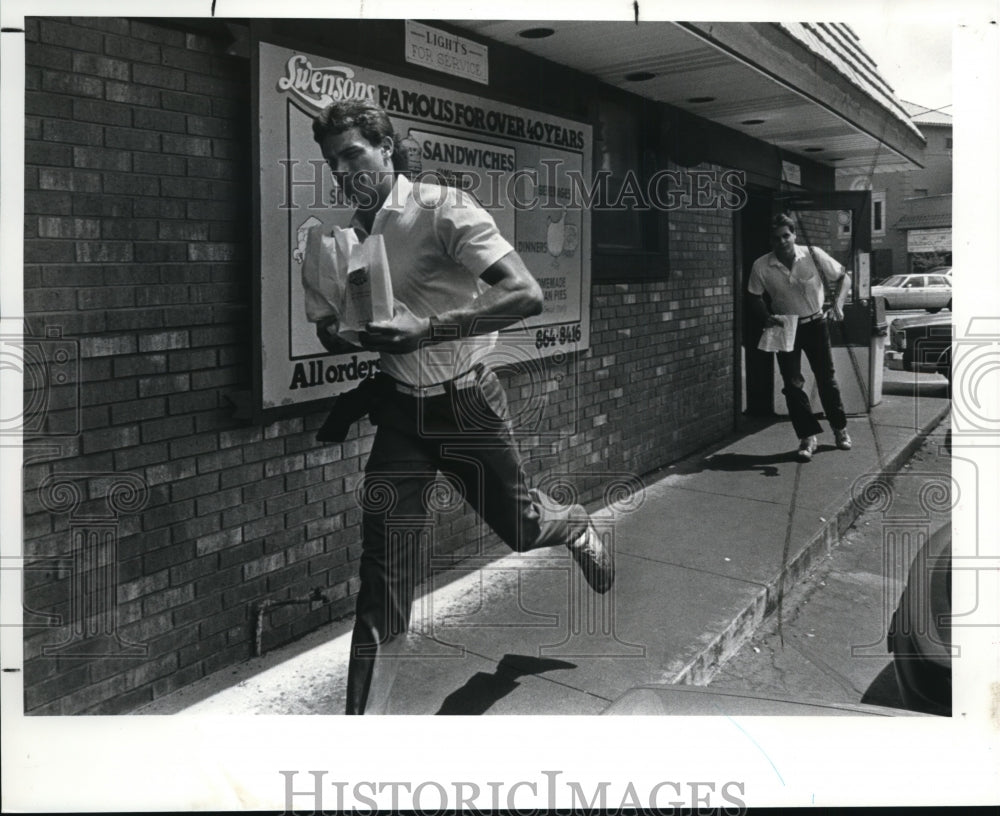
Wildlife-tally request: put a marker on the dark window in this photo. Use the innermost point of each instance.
(877, 217)
(630, 232)
(947, 142)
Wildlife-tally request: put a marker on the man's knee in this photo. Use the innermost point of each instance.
(795, 382)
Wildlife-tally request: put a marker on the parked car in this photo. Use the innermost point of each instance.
(925, 291)
(920, 343)
(919, 634)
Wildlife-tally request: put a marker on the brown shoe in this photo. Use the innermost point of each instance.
(595, 559)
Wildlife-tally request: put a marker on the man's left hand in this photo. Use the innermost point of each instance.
(836, 312)
(397, 336)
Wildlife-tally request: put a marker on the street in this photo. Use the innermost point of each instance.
(827, 640)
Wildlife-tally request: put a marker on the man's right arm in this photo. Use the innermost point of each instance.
(759, 308)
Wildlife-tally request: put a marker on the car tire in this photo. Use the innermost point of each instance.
(948, 306)
(935, 310)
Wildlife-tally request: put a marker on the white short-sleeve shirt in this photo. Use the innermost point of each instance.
(795, 291)
(438, 241)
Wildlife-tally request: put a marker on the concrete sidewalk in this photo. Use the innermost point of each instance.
(704, 551)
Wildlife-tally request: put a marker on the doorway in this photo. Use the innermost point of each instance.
(753, 223)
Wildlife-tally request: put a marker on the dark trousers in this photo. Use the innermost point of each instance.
(814, 339)
(466, 437)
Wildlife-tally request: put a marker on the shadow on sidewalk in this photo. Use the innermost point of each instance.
(766, 463)
(483, 690)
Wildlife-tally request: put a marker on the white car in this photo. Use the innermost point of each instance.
(930, 291)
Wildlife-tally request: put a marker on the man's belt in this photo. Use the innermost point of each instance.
(466, 380)
(352, 405)
(810, 318)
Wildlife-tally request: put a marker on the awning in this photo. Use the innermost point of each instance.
(807, 88)
(926, 213)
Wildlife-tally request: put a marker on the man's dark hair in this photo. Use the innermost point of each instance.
(371, 121)
(782, 220)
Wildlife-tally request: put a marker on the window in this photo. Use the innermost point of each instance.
(878, 214)
(630, 237)
(619, 150)
(920, 191)
(947, 142)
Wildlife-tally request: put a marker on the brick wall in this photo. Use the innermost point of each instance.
(153, 520)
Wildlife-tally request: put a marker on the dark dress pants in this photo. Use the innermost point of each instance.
(466, 437)
(813, 338)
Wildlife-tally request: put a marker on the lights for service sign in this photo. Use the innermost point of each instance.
(526, 168)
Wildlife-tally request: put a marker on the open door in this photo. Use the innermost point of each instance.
(752, 227)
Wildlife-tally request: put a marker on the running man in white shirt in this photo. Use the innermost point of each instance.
(456, 281)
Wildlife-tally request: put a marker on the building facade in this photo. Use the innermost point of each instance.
(911, 208)
(158, 516)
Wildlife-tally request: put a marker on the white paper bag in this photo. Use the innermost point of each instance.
(780, 338)
(324, 272)
(368, 286)
(346, 277)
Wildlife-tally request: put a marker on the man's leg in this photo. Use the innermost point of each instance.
(487, 464)
(819, 352)
(799, 409)
(394, 517)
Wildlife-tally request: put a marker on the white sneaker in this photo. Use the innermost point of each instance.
(595, 560)
(807, 446)
(843, 439)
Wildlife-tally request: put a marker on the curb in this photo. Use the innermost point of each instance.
(700, 669)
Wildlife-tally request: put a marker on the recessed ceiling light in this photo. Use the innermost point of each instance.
(536, 33)
(697, 100)
(814, 149)
(639, 76)
(753, 121)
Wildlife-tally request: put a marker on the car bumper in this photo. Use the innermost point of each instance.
(896, 361)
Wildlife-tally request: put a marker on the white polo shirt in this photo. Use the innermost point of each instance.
(438, 241)
(795, 291)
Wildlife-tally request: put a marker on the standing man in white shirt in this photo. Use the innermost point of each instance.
(456, 281)
(793, 277)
